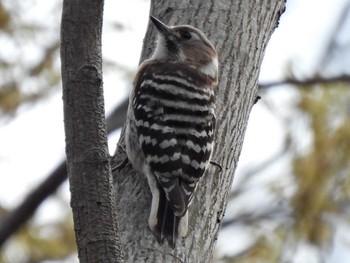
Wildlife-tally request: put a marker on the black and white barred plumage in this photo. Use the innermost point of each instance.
(171, 122)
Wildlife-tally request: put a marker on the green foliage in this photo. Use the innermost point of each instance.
(28, 72)
(265, 249)
(323, 174)
(4, 17)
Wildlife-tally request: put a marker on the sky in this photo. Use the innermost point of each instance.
(33, 143)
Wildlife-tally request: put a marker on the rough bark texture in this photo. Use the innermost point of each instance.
(88, 161)
(240, 31)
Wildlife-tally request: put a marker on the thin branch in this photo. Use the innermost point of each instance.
(331, 45)
(117, 117)
(251, 218)
(13, 220)
(307, 82)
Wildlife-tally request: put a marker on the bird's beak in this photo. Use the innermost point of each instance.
(162, 28)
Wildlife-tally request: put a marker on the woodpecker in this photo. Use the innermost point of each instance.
(170, 123)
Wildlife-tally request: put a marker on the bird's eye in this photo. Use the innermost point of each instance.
(186, 35)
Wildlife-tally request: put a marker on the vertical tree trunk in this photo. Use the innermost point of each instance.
(240, 31)
(88, 160)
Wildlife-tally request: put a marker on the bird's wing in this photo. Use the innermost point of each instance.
(175, 122)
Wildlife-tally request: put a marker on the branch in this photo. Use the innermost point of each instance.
(92, 190)
(307, 82)
(14, 219)
(252, 218)
(117, 118)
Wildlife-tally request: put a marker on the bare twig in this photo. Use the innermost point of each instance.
(251, 218)
(306, 82)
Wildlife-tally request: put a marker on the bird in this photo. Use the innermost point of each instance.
(170, 123)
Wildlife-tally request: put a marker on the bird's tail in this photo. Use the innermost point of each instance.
(168, 226)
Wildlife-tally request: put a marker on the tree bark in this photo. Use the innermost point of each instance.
(88, 160)
(240, 31)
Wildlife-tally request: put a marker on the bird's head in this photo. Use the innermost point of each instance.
(185, 44)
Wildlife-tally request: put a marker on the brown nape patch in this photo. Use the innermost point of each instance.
(199, 55)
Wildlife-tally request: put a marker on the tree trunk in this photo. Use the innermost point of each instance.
(240, 31)
(88, 160)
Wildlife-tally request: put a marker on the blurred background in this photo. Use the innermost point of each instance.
(290, 196)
